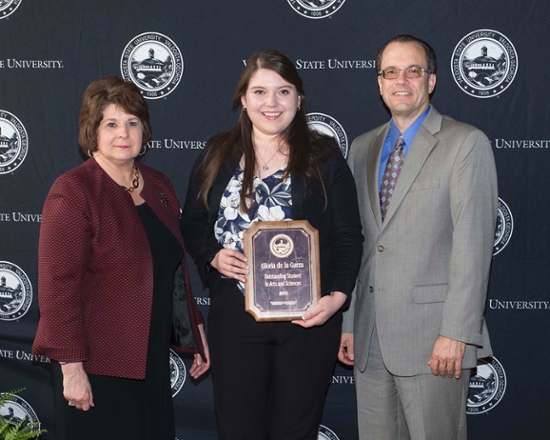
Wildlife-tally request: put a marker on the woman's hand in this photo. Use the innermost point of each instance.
(200, 365)
(76, 386)
(231, 263)
(326, 307)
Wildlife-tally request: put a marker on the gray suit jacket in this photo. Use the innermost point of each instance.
(425, 269)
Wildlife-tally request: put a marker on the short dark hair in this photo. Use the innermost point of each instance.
(99, 95)
(431, 58)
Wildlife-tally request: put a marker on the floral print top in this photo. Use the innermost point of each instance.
(272, 202)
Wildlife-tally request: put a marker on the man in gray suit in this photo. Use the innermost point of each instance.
(428, 198)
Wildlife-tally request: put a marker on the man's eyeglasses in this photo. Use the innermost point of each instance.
(410, 72)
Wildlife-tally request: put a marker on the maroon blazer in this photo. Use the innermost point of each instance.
(95, 272)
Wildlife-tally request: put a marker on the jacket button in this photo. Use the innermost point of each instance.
(380, 248)
(371, 289)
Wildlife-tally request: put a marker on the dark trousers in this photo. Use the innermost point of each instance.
(123, 409)
(270, 378)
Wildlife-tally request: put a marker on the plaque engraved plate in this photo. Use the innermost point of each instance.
(284, 279)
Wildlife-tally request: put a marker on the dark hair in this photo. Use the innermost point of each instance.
(307, 148)
(431, 58)
(99, 95)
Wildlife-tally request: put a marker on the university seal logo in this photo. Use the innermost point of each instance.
(326, 434)
(17, 410)
(316, 8)
(281, 245)
(154, 63)
(13, 142)
(178, 373)
(487, 387)
(328, 125)
(484, 63)
(505, 227)
(15, 292)
(7, 7)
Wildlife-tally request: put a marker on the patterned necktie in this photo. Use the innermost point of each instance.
(391, 173)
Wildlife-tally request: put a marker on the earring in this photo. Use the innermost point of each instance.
(244, 109)
(298, 109)
(141, 153)
(90, 154)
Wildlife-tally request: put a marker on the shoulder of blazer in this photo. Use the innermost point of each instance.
(81, 183)
(442, 125)
(364, 140)
(89, 170)
(361, 145)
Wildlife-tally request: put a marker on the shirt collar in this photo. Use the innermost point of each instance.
(410, 133)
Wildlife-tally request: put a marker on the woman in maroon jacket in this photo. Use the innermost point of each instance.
(113, 286)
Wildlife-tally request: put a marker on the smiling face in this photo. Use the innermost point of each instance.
(271, 103)
(119, 136)
(406, 97)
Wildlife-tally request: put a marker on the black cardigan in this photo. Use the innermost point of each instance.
(339, 225)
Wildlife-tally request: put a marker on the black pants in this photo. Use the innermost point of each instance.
(270, 379)
(124, 409)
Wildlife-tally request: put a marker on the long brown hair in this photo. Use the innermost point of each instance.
(307, 148)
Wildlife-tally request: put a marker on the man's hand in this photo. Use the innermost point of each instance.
(345, 354)
(447, 355)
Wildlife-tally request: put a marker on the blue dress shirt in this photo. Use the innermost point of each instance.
(408, 137)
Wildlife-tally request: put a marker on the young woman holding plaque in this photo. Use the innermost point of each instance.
(270, 378)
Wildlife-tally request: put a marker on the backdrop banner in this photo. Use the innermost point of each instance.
(186, 58)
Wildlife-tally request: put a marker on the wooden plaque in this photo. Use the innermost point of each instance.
(284, 279)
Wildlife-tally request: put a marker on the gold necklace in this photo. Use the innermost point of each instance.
(135, 182)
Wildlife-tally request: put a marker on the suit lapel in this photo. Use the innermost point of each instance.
(297, 193)
(157, 201)
(373, 168)
(422, 145)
